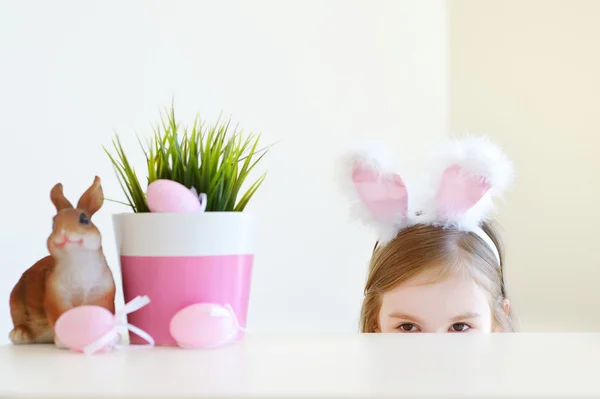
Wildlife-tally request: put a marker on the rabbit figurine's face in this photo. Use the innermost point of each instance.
(72, 227)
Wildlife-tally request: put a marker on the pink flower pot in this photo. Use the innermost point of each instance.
(180, 259)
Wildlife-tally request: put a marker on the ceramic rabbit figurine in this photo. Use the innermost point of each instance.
(74, 274)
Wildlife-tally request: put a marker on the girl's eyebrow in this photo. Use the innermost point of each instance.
(404, 316)
(465, 316)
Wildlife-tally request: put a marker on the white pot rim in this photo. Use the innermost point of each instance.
(184, 216)
(192, 214)
(184, 234)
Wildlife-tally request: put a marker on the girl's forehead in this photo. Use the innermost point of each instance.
(426, 295)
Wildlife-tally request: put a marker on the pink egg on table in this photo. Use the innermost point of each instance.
(203, 325)
(167, 196)
(82, 325)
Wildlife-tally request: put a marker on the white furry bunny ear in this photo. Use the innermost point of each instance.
(379, 195)
(473, 171)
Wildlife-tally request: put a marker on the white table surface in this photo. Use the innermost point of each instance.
(334, 366)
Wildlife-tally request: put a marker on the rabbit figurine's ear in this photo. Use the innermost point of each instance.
(473, 171)
(58, 198)
(380, 196)
(91, 201)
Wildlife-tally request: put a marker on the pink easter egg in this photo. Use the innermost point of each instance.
(168, 196)
(202, 325)
(82, 325)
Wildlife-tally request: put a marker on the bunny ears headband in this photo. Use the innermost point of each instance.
(457, 192)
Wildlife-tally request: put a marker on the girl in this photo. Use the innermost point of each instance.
(438, 262)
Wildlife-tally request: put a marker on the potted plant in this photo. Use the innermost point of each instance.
(179, 259)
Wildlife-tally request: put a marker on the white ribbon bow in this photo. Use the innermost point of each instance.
(120, 326)
(201, 197)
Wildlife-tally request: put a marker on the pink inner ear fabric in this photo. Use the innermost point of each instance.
(384, 194)
(459, 191)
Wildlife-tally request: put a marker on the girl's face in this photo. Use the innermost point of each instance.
(455, 305)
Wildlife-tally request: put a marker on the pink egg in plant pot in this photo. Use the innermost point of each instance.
(189, 240)
(168, 196)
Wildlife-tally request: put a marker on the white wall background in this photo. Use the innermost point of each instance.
(527, 72)
(315, 74)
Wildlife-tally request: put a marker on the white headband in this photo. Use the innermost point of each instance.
(465, 175)
(481, 234)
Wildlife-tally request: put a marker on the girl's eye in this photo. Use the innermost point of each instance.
(459, 327)
(407, 327)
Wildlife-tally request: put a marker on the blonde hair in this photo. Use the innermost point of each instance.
(443, 251)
